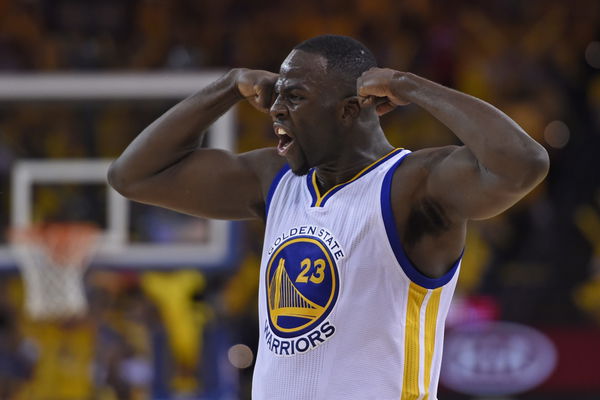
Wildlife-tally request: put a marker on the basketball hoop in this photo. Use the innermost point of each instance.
(53, 259)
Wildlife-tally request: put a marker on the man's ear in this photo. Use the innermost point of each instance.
(350, 109)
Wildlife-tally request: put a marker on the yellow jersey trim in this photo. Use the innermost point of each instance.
(419, 343)
(320, 199)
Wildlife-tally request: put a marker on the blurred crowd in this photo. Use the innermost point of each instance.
(539, 263)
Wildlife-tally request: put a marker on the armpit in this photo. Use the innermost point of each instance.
(427, 217)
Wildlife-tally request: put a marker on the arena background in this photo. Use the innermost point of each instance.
(186, 329)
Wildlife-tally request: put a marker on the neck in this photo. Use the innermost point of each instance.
(353, 158)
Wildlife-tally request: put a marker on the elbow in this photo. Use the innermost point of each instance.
(535, 167)
(117, 181)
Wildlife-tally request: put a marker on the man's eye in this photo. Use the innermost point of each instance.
(295, 97)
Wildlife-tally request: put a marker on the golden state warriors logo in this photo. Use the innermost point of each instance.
(302, 285)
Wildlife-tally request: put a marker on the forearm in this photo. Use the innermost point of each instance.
(498, 143)
(175, 134)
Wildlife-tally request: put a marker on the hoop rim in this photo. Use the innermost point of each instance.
(66, 244)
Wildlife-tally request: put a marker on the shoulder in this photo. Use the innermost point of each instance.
(265, 163)
(418, 164)
(430, 157)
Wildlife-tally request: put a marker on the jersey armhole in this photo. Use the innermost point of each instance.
(273, 187)
(396, 244)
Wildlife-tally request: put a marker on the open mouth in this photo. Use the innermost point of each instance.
(285, 140)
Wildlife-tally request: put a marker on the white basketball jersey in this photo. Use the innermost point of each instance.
(343, 312)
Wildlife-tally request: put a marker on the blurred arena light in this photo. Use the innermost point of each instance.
(496, 358)
(495, 398)
(592, 54)
(557, 134)
(240, 356)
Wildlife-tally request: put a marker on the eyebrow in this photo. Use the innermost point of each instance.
(289, 88)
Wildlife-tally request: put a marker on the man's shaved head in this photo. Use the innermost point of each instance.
(345, 56)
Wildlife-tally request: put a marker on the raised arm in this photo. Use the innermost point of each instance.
(498, 164)
(164, 165)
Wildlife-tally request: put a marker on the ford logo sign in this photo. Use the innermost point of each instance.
(496, 358)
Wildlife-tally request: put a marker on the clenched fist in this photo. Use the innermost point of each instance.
(257, 86)
(380, 86)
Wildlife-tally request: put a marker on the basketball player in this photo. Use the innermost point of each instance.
(363, 241)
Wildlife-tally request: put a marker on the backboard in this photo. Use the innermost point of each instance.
(62, 175)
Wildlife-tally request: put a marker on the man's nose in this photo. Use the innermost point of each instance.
(278, 110)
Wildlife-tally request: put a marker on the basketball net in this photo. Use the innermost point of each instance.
(53, 259)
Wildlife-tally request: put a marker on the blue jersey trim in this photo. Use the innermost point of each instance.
(273, 186)
(394, 238)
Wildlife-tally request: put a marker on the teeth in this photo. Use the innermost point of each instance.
(281, 131)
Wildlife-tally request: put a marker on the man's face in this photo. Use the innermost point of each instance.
(306, 111)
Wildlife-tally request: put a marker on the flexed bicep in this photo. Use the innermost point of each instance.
(164, 165)
(465, 188)
(499, 162)
(212, 183)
